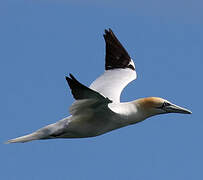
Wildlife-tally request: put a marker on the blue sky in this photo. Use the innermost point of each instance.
(42, 41)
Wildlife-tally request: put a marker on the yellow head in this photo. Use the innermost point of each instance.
(154, 105)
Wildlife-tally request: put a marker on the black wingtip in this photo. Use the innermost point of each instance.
(66, 77)
(68, 80)
(73, 78)
(116, 54)
(105, 32)
(108, 32)
(71, 75)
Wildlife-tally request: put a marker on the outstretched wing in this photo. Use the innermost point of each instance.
(120, 69)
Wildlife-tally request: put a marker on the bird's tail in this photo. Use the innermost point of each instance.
(47, 132)
(26, 138)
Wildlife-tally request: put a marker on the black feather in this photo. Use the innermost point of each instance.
(116, 55)
(81, 91)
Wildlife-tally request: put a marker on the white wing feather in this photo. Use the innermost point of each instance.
(112, 82)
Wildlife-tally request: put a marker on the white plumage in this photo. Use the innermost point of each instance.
(112, 82)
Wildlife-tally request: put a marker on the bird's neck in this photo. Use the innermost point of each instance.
(129, 112)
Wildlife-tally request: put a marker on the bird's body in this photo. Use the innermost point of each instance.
(98, 109)
(90, 121)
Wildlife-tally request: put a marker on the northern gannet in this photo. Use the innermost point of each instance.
(98, 109)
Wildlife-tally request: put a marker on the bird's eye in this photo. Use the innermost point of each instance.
(166, 104)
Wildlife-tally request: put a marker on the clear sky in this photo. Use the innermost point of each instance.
(42, 41)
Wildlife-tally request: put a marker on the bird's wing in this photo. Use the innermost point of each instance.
(119, 69)
(85, 97)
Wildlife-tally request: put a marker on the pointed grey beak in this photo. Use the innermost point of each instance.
(177, 109)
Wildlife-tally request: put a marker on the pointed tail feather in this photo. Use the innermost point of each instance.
(47, 132)
(26, 138)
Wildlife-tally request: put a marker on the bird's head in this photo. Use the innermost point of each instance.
(153, 105)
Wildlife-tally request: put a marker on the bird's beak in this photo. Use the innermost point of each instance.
(177, 109)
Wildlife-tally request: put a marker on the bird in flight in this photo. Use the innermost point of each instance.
(97, 109)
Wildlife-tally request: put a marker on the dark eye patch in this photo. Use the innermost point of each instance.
(164, 105)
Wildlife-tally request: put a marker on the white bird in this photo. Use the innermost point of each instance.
(98, 109)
